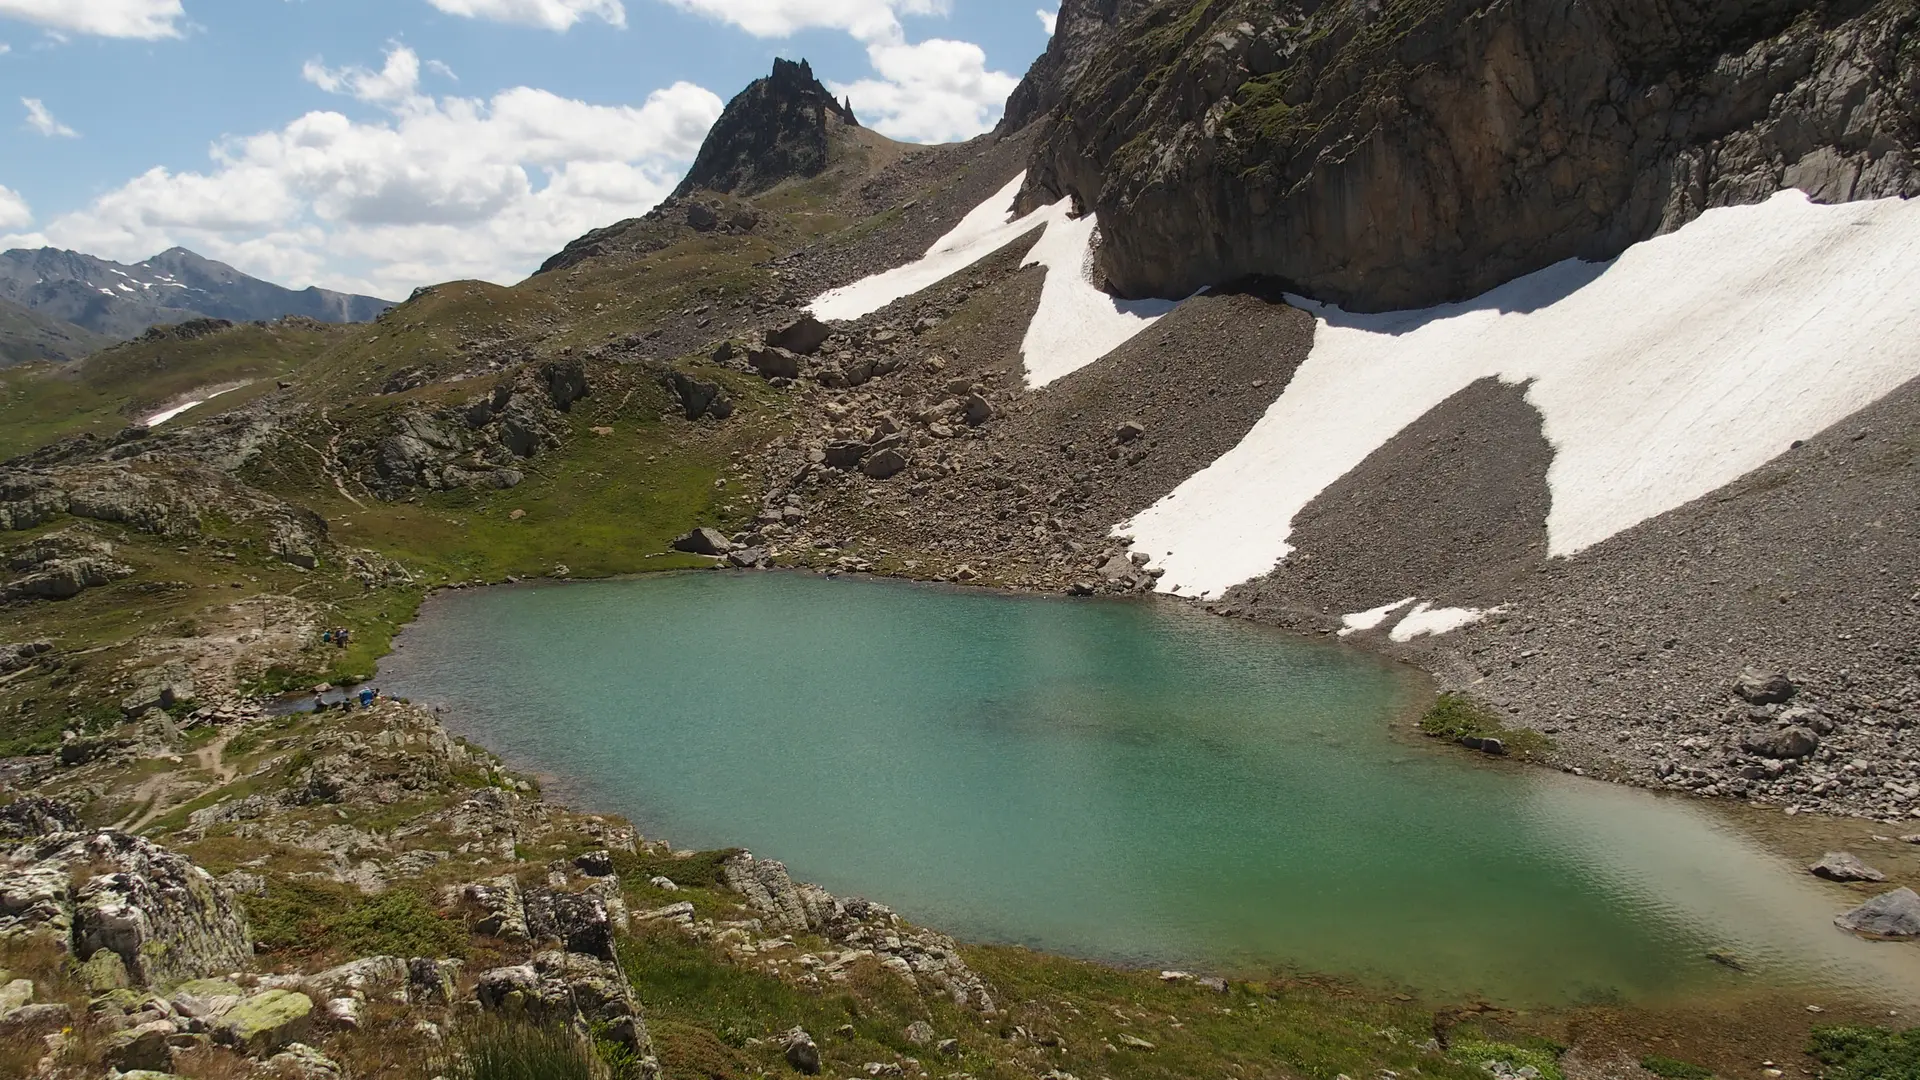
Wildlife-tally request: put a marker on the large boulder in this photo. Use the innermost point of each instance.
(804, 335)
(1757, 687)
(1785, 744)
(704, 541)
(1844, 866)
(774, 363)
(577, 921)
(266, 1021)
(1890, 915)
(167, 919)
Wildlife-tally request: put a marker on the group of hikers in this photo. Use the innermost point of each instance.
(365, 698)
(339, 636)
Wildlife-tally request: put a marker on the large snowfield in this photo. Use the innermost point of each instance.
(1076, 323)
(1689, 361)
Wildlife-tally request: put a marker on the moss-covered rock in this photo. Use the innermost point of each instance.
(267, 1021)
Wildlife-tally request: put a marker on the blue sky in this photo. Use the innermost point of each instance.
(377, 145)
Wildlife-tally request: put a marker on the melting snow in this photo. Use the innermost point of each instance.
(165, 415)
(1689, 361)
(1427, 619)
(1076, 323)
(1369, 620)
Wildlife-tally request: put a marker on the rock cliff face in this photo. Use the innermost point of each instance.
(1398, 154)
(778, 127)
(1081, 29)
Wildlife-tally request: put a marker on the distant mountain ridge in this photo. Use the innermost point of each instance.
(119, 301)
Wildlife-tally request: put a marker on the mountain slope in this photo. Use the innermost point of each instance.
(27, 335)
(119, 301)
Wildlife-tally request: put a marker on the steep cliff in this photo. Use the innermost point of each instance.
(1398, 154)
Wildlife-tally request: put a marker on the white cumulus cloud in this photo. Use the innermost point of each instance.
(435, 188)
(1049, 19)
(930, 91)
(557, 15)
(42, 121)
(14, 213)
(146, 19)
(933, 91)
(868, 20)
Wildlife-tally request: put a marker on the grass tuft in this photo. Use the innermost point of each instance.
(501, 1050)
(1456, 717)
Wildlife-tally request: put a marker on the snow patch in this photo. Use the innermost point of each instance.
(1371, 619)
(1427, 619)
(169, 413)
(1076, 323)
(1687, 362)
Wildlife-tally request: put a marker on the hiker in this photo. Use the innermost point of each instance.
(367, 697)
(327, 638)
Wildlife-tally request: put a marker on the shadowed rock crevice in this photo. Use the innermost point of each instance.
(1453, 509)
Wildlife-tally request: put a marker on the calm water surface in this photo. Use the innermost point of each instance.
(1126, 781)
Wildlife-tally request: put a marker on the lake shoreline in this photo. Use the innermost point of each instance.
(1400, 728)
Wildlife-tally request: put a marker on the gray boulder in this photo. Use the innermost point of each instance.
(802, 1052)
(1759, 687)
(1785, 744)
(846, 453)
(577, 922)
(804, 335)
(884, 465)
(1844, 866)
(703, 541)
(698, 397)
(1890, 915)
(774, 363)
(16, 657)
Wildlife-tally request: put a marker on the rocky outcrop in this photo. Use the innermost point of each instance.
(778, 128)
(1397, 155)
(1081, 29)
(481, 444)
(924, 958)
(59, 566)
(165, 918)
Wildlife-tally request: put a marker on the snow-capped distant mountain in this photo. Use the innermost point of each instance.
(120, 300)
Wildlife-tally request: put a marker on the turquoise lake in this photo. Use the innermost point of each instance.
(1127, 781)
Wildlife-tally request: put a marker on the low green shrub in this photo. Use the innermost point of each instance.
(1478, 1052)
(1867, 1053)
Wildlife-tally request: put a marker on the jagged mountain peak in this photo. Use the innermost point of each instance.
(778, 128)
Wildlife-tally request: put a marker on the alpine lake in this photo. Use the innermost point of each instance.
(1127, 781)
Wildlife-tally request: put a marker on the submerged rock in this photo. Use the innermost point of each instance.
(1845, 866)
